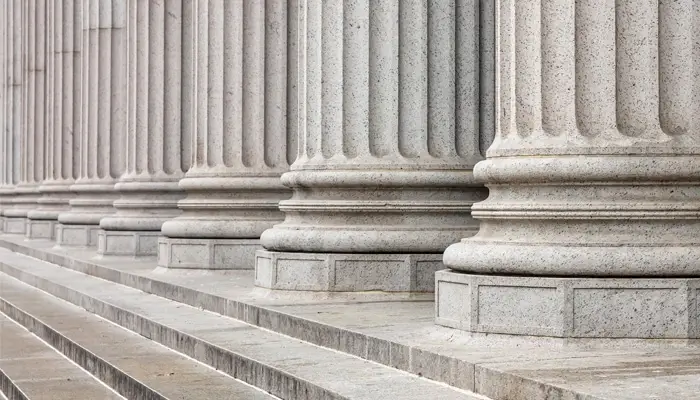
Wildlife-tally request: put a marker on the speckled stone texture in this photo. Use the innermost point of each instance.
(390, 130)
(244, 129)
(594, 172)
(159, 137)
(346, 272)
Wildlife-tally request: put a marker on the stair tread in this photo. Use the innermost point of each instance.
(40, 372)
(170, 374)
(346, 375)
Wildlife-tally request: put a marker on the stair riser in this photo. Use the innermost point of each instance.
(99, 368)
(250, 371)
(9, 389)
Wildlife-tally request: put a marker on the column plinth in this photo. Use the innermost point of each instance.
(390, 130)
(158, 142)
(243, 126)
(592, 222)
(25, 197)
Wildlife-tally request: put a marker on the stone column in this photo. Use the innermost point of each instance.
(6, 26)
(32, 149)
(103, 121)
(389, 128)
(158, 144)
(60, 167)
(592, 223)
(14, 112)
(31, 152)
(241, 135)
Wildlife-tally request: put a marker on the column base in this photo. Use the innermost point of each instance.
(16, 225)
(207, 253)
(644, 308)
(77, 235)
(127, 243)
(41, 229)
(346, 272)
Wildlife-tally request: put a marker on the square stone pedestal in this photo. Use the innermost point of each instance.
(569, 307)
(41, 229)
(15, 225)
(346, 272)
(207, 253)
(77, 235)
(127, 243)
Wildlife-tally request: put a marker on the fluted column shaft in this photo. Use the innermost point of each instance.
(62, 98)
(158, 143)
(6, 74)
(15, 111)
(241, 130)
(103, 120)
(389, 131)
(33, 112)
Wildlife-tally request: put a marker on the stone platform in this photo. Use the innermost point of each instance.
(398, 330)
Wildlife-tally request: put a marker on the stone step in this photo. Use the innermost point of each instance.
(132, 365)
(30, 369)
(284, 366)
(138, 274)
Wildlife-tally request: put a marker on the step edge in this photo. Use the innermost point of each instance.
(78, 354)
(9, 388)
(135, 323)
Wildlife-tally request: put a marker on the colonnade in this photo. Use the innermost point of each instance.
(342, 146)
